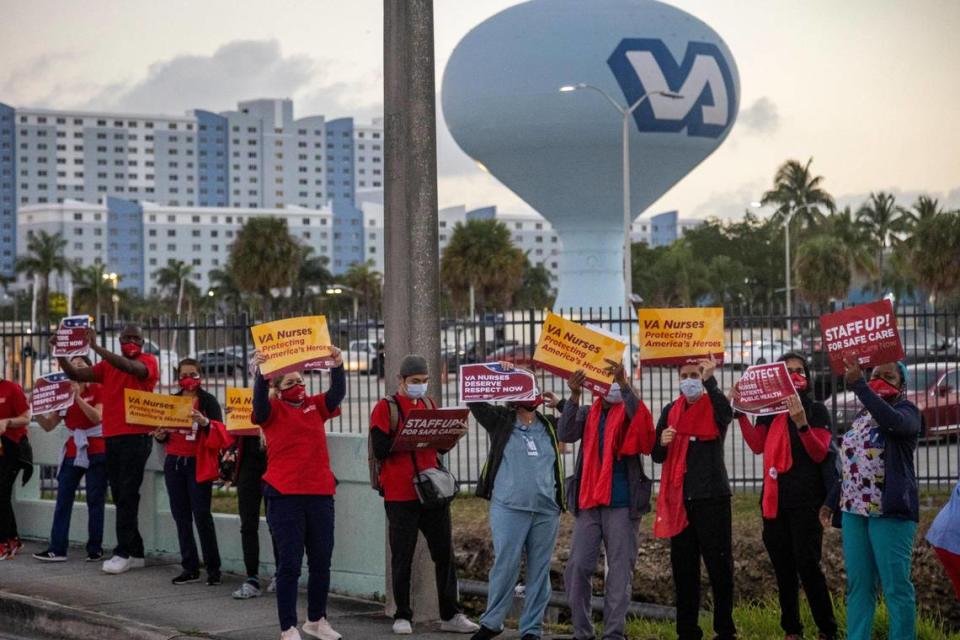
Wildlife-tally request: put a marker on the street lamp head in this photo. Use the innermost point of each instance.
(567, 88)
(756, 204)
(211, 293)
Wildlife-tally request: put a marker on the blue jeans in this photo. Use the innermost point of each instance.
(67, 482)
(515, 532)
(299, 522)
(879, 551)
(189, 504)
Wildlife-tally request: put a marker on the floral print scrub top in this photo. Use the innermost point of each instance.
(862, 454)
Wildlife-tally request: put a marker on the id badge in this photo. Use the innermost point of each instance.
(193, 433)
(531, 446)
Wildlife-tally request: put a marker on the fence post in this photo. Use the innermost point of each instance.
(244, 333)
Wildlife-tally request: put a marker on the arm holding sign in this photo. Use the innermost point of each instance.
(132, 366)
(489, 416)
(814, 435)
(574, 417)
(261, 392)
(754, 434)
(338, 383)
(901, 420)
(664, 436)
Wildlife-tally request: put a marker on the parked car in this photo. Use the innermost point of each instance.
(933, 387)
(751, 351)
(361, 356)
(521, 355)
(472, 352)
(921, 345)
(226, 361)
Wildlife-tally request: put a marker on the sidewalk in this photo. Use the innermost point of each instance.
(147, 597)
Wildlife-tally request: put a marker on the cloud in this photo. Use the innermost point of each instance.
(761, 118)
(903, 197)
(728, 204)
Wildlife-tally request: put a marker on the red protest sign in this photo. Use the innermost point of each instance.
(431, 429)
(51, 392)
(867, 332)
(764, 389)
(488, 382)
(71, 337)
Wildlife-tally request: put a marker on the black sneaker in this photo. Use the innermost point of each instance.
(187, 577)
(49, 556)
(485, 634)
(94, 556)
(214, 580)
(530, 636)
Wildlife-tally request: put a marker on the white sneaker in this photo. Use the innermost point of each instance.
(459, 624)
(246, 591)
(272, 588)
(402, 627)
(117, 564)
(137, 563)
(290, 634)
(321, 629)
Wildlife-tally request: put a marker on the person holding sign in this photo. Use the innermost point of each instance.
(523, 480)
(608, 494)
(128, 446)
(189, 469)
(944, 537)
(693, 506)
(877, 500)
(797, 475)
(84, 455)
(406, 517)
(299, 487)
(14, 449)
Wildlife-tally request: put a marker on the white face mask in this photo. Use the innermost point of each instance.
(691, 388)
(614, 395)
(417, 390)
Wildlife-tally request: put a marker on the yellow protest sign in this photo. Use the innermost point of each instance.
(293, 344)
(678, 336)
(147, 409)
(239, 411)
(566, 346)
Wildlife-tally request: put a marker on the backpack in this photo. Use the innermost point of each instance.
(373, 464)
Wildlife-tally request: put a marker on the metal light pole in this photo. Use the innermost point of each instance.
(114, 279)
(786, 237)
(625, 113)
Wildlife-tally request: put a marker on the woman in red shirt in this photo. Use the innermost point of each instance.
(299, 487)
(14, 418)
(84, 454)
(189, 486)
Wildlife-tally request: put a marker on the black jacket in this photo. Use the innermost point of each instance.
(706, 470)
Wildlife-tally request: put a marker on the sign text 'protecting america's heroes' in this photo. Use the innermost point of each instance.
(867, 332)
(293, 344)
(52, 392)
(432, 429)
(72, 337)
(146, 409)
(680, 336)
(239, 412)
(566, 346)
(488, 382)
(764, 389)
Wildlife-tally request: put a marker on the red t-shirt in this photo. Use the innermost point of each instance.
(114, 382)
(182, 443)
(75, 418)
(12, 405)
(297, 459)
(396, 472)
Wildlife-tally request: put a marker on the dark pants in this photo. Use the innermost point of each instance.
(126, 458)
(793, 541)
(708, 535)
(9, 468)
(68, 480)
(189, 504)
(300, 522)
(405, 520)
(253, 464)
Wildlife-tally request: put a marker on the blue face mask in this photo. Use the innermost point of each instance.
(691, 388)
(417, 390)
(614, 395)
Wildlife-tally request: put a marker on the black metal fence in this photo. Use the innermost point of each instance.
(223, 346)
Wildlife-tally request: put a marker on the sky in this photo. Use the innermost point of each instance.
(867, 88)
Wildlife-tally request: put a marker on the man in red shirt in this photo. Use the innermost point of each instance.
(14, 418)
(128, 446)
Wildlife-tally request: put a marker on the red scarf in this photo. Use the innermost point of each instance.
(619, 439)
(691, 421)
(210, 442)
(777, 459)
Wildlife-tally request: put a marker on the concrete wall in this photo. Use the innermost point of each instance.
(359, 566)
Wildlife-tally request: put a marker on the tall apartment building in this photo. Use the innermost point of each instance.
(258, 156)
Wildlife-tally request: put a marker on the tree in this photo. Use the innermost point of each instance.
(728, 280)
(536, 288)
(673, 276)
(313, 274)
(797, 192)
(931, 258)
(225, 288)
(481, 255)
(923, 209)
(91, 288)
(855, 240)
(44, 257)
(367, 285)
(881, 217)
(174, 280)
(265, 256)
(823, 270)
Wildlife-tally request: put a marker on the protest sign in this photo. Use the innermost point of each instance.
(51, 392)
(867, 332)
(431, 429)
(71, 337)
(489, 382)
(764, 389)
(680, 336)
(239, 412)
(566, 346)
(293, 344)
(146, 409)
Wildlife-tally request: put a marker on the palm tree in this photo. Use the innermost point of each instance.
(823, 271)
(881, 217)
(174, 280)
(855, 240)
(265, 256)
(923, 209)
(313, 273)
(798, 194)
(536, 290)
(366, 283)
(90, 288)
(481, 256)
(931, 258)
(225, 287)
(44, 257)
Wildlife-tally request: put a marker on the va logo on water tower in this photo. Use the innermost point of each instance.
(703, 78)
